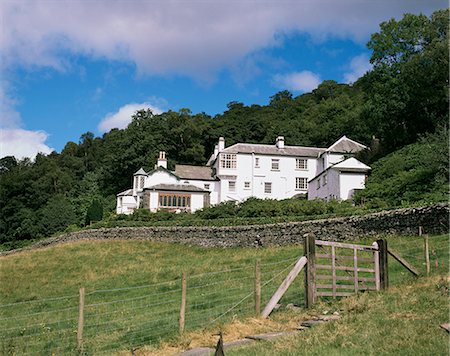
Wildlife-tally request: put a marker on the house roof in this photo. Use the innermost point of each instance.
(176, 188)
(125, 193)
(351, 164)
(299, 151)
(162, 169)
(194, 172)
(140, 172)
(346, 145)
(348, 165)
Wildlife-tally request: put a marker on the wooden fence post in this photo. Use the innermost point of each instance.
(383, 264)
(257, 288)
(420, 230)
(310, 270)
(183, 302)
(427, 254)
(80, 321)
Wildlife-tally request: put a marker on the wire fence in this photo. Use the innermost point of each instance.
(121, 319)
(128, 318)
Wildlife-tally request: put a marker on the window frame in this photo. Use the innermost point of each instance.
(301, 167)
(174, 201)
(275, 164)
(269, 186)
(232, 186)
(299, 186)
(228, 161)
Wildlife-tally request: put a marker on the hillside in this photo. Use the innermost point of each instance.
(133, 293)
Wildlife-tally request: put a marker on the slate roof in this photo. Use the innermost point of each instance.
(194, 172)
(140, 172)
(299, 151)
(348, 165)
(346, 145)
(126, 193)
(176, 188)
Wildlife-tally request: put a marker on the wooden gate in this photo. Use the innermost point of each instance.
(336, 269)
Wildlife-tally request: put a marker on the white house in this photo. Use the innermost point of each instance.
(249, 170)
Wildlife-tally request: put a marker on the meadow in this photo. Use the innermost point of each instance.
(133, 295)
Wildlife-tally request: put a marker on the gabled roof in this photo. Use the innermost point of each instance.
(176, 188)
(126, 193)
(162, 169)
(346, 145)
(351, 164)
(348, 165)
(194, 172)
(140, 172)
(299, 151)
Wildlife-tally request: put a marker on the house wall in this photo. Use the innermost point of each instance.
(214, 187)
(348, 182)
(125, 204)
(160, 177)
(283, 179)
(329, 191)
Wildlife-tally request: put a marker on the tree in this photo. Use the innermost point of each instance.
(57, 214)
(94, 213)
(407, 89)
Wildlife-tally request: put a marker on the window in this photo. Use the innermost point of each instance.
(136, 182)
(318, 183)
(231, 186)
(256, 162)
(325, 179)
(174, 201)
(301, 164)
(267, 187)
(141, 182)
(228, 161)
(275, 164)
(301, 183)
(246, 185)
(206, 186)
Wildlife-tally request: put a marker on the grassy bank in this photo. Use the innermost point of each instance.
(133, 291)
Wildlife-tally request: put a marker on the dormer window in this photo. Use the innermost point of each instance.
(228, 161)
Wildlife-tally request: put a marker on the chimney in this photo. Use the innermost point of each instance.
(280, 142)
(221, 144)
(216, 151)
(162, 161)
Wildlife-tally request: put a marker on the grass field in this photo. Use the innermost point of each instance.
(133, 291)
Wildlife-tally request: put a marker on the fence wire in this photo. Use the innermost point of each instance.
(121, 319)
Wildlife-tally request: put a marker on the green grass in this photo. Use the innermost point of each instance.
(133, 291)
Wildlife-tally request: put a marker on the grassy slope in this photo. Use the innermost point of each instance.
(406, 316)
(403, 321)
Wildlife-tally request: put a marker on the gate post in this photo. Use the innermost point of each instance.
(310, 270)
(383, 258)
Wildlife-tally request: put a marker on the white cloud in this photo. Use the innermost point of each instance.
(23, 143)
(194, 38)
(304, 81)
(122, 117)
(15, 141)
(358, 66)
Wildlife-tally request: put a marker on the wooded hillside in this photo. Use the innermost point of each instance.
(403, 98)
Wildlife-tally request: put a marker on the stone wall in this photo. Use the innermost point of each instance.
(434, 219)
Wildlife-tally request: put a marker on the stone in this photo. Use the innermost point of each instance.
(310, 323)
(197, 352)
(329, 317)
(237, 343)
(271, 335)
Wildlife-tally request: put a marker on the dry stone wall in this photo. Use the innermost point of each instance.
(434, 219)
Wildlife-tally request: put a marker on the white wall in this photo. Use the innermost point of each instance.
(160, 177)
(349, 182)
(125, 204)
(283, 180)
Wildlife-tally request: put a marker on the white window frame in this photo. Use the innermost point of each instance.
(275, 164)
(301, 164)
(141, 182)
(267, 187)
(247, 185)
(232, 186)
(228, 161)
(301, 183)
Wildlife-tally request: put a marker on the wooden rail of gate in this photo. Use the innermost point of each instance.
(336, 269)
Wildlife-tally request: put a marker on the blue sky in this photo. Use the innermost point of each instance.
(69, 67)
